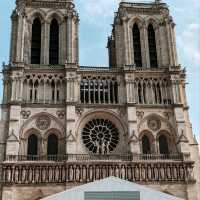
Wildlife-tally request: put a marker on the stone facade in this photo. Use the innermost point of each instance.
(64, 124)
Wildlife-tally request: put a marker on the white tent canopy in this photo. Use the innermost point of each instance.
(111, 184)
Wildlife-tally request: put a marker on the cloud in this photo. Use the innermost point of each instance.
(97, 11)
(189, 42)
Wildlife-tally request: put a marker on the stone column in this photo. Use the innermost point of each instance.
(175, 89)
(20, 38)
(62, 43)
(45, 43)
(21, 89)
(13, 41)
(169, 40)
(126, 44)
(76, 47)
(143, 45)
(69, 38)
(158, 46)
(146, 44)
(173, 35)
(13, 89)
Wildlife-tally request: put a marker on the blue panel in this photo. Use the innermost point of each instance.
(112, 195)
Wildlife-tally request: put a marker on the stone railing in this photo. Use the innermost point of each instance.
(93, 157)
(42, 101)
(82, 172)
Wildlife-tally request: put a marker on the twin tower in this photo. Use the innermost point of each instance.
(64, 124)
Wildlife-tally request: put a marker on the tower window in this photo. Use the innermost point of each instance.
(52, 146)
(32, 145)
(152, 47)
(36, 42)
(137, 46)
(54, 43)
(146, 148)
(163, 145)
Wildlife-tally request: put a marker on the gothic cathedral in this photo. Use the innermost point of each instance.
(64, 124)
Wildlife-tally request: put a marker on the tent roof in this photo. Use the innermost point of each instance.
(111, 184)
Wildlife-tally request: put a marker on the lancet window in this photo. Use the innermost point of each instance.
(152, 47)
(146, 146)
(163, 145)
(52, 145)
(99, 90)
(36, 42)
(54, 43)
(137, 46)
(32, 145)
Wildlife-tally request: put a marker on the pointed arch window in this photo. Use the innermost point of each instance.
(52, 145)
(163, 145)
(152, 47)
(36, 42)
(146, 147)
(32, 145)
(54, 43)
(137, 46)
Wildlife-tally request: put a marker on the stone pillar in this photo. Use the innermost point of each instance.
(158, 46)
(132, 130)
(13, 89)
(13, 41)
(71, 98)
(170, 46)
(146, 44)
(175, 89)
(75, 40)
(143, 45)
(44, 59)
(62, 43)
(69, 38)
(127, 56)
(182, 139)
(173, 35)
(20, 38)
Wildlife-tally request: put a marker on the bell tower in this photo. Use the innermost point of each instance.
(143, 36)
(44, 32)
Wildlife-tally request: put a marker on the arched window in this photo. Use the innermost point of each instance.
(137, 46)
(163, 145)
(32, 145)
(54, 43)
(152, 47)
(36, 42)
(146, 147)
(52, 145)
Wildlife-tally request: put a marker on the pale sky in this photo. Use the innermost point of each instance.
(96, 17)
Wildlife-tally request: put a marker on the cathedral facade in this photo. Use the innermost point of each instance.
(64, 124)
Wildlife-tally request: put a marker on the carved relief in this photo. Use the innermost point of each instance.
(43, 122)
(25, 114)
(140, 115)
(79, 111)
(61, 114)
(154, 124)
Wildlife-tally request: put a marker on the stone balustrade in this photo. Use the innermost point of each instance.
(94, 157)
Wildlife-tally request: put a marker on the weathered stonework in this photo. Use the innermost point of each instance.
(104, 121)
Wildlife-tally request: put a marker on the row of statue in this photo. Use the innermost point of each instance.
(87, 173)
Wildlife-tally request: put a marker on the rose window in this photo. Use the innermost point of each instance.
(100, 136)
